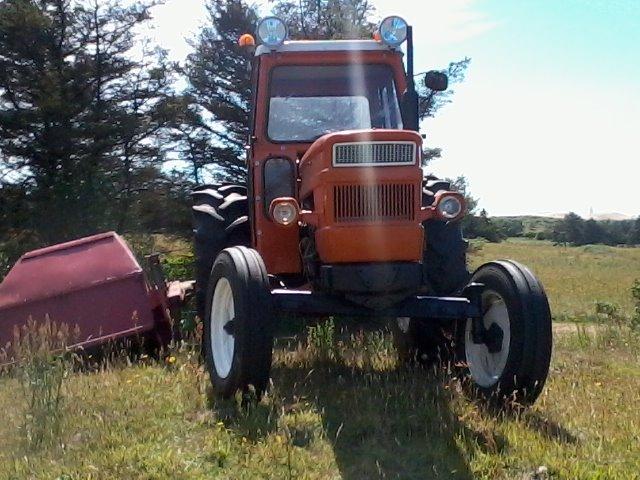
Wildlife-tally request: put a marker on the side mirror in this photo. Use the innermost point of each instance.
(436, 81)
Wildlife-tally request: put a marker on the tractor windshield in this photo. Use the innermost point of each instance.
(307, 102)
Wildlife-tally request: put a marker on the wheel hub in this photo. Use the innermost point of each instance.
(487, 340)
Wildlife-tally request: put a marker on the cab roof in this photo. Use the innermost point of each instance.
(324, 46)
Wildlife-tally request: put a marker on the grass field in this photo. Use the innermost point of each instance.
(574, 277)
(345, 409)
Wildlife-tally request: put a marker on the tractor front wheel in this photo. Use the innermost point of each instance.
(507, 356)
(238, 324)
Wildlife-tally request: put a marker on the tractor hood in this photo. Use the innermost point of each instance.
(389, 153)
(364, 191)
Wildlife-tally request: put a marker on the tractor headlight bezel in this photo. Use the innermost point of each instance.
(393, 31)
(450, 205)
(272, 31)
(284, 211)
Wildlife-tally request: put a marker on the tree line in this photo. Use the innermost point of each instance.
(575, 230)
(569, 230)
(92, 114)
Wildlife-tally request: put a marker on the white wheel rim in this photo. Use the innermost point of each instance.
(222, 342)
(486, 368)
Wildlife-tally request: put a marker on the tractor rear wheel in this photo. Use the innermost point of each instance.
(238, 323)
(422, 343)
(444, 258)
(445, 272)
(221, 220)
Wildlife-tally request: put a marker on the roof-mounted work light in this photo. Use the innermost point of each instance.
(272, 31)
(393, 31)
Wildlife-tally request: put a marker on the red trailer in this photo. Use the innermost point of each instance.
(94, 285)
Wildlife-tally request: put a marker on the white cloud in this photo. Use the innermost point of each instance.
(438, 22)
(176, 21)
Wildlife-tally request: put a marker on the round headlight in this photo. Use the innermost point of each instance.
(450, 207)
(272, 31)
(393, 31)
(284, 213)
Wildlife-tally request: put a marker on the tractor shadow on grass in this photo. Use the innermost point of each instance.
(549, 428)
(387, 424)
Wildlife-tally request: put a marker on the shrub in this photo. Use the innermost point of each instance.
(609, 313)
(635, 293)
(178, 267)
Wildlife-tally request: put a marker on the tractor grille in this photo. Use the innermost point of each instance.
(373, 203)
(374, 154)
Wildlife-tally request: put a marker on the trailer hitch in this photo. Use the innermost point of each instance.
(492, 336)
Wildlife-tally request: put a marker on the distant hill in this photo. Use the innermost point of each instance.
(609, 229)
(612, 216)
(615, 216)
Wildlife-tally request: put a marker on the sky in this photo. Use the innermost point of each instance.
(548, 118)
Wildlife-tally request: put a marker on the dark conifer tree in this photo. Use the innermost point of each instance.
(216, 118)
(634, 234)
(78, 112)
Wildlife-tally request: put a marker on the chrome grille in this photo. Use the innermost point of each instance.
(374, 153)
(373, 203)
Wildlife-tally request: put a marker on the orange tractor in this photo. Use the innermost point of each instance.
(337, 218)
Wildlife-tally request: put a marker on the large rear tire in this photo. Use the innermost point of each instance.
(221, 220)
(422, 343)
(512, 364)
(445, 273)
(238, 323)
(444, 257)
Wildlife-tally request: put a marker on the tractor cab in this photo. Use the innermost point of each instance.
(336, 159)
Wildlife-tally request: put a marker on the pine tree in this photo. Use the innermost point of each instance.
(215, 121)
(78, 114)
(43, 111)
(634, 234)
(430, 101)
(569, 230)
(327, 19)
(593, 232)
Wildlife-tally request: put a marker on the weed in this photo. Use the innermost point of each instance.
(42, 363)
(609, 314)
(141, 245)
(178, 267)
(321, 339)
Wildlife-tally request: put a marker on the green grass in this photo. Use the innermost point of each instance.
(358, 416)
(575, 278)
(348, 411)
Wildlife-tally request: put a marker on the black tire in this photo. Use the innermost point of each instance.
(422, 343)
(445, 273)
(444, 258)
(529, 343)
(252, 328)
(221, 220)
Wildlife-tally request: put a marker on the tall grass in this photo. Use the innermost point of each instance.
(574, 277)
(41, 363)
